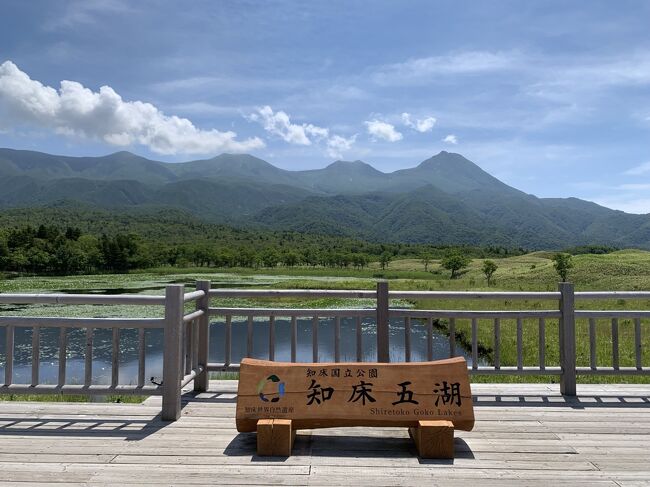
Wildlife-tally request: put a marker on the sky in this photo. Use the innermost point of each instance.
(551, 97)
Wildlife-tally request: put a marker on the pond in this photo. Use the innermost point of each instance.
(128, 354)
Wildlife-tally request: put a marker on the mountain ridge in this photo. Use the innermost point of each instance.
(443, 199)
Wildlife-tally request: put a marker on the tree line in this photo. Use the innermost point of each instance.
(49, 249)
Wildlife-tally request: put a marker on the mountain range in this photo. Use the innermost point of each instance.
(445, 199)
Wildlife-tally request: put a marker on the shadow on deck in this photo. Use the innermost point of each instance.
(524, 434)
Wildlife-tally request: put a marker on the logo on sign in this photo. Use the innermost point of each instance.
(276, 392)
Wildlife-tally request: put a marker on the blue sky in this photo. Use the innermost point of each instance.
(552, 97)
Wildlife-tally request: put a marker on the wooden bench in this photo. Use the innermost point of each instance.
(430, 398)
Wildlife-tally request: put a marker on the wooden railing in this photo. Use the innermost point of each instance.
(186, 347)
(563, 314)
(181, 352)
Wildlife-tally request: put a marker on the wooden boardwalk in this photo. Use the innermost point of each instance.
(524, 435)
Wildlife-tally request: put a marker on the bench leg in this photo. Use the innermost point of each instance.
(275, 437)
(434, 439)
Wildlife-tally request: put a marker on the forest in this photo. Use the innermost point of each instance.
(53, 250)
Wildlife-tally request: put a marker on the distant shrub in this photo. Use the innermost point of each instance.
(562, 263)
(454, 261)
(591, 249)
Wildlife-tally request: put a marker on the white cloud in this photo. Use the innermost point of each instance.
(423, 125)
(75, 110)
(337, 145)
(451, 139)
(419, 70)
(87, 12)
(383, 130)
(638, 170)
(634, 187)
(279, 123)
(205, 108)
(629, 205)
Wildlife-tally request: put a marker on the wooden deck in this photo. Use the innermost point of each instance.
(524, 435)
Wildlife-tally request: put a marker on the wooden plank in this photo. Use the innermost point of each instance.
(195, 349)
(36, 354)
(142, 347)
(478, 295)
(429, 339)
(638, 346)
(227, 340)
(542, 343)
(520, 344)
(249, 337)
(115, 357)
(272, 338)
(615, 350)
(382, 322)
(337, 339)
(359, 341)
(592, 343)
(497, 343)
(56, 322)
(9, 354)
(194, 295)
(612, 295)
(298, 312)
(188, 328)
(452, 337)
(294, 338)
(469, 314)
(314, 338)
(407, 339)
(292, 293)
(63, 352)
(88, 358)
(474, 343)
(624, 314)
(115, 299)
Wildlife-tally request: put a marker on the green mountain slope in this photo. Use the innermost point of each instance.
(446, 199)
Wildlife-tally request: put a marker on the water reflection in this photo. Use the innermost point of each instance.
(128, 352)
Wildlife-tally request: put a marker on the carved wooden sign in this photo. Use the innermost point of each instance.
(325, 395)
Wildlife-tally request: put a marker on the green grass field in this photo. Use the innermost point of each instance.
(70, 398)
(622, 270)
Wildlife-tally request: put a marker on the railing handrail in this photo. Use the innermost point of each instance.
(186, 333)
(292, 293)
(612, 313)
(371, 294)
(91, 299)
(484, 295)
(65, 322)
(308, 312)
(193, 296)
(612, 294)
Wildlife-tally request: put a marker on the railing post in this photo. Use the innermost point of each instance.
(383, 338)
(567, 340)
(201, 381)
(172, 352)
